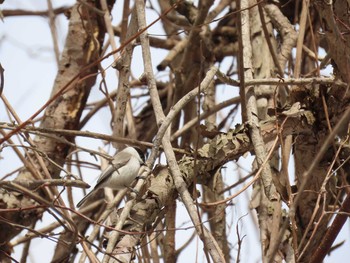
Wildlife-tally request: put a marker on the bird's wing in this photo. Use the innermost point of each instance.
(119, 160)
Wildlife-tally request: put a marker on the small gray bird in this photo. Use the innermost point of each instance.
(120, 173)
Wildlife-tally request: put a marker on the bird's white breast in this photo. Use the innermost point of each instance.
(125, 175)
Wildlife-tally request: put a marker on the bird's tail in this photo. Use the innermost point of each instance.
(82, 201)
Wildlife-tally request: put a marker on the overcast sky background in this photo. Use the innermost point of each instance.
(26, 54)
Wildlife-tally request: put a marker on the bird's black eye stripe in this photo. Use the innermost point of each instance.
(142, 155)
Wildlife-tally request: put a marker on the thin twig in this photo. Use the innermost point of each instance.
(53, 29)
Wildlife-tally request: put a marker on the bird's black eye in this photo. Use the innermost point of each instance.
(141, 154)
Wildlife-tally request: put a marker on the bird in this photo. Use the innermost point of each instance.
(120, 173)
